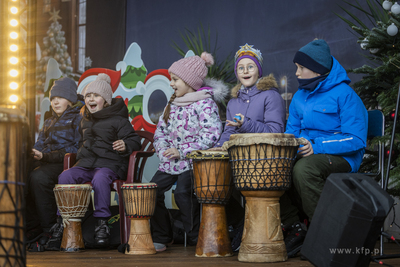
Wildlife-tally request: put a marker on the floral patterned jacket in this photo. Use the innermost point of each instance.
(193, 127)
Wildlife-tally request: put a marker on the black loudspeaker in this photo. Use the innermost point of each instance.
(347, 221)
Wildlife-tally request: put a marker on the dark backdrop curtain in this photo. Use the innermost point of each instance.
(105, 32)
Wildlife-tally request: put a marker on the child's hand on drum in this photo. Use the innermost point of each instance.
(119, 145)
(237, 122)
(306, 150)
(37, 154)
(172, 153)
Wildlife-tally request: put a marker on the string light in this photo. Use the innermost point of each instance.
(13, 35)
(13, 60)
(13, 22)
(14, 10)
(13, 73)
(13, 47)
(13, 98)
(14, 85)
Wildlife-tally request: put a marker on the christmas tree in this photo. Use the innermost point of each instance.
(54, 47)
(379, 85)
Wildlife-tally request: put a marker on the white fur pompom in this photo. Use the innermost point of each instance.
(103, 77)
(208, 58)
(220, 89)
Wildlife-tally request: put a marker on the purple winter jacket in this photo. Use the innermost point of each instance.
(262, 106)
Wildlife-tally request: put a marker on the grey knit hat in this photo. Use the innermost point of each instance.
(65, 88)
(101, 86)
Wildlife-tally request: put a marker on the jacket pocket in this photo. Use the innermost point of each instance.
(326, 108)
(326, 117)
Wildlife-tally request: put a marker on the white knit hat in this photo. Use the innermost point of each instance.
(101, 86)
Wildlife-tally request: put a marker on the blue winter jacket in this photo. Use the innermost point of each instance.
(60, 135)
(332, 117)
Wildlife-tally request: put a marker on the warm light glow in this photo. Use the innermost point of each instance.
(14, 35)
(13, 85)
(13, 73)
(13, 47)
(14, 10)
(13, 22)
(13, 98)
(13, 60)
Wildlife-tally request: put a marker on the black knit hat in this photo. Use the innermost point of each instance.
(65, 88)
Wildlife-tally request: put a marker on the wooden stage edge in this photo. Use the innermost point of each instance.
(175, 255)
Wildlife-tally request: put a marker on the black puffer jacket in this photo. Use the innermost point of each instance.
(99, 130)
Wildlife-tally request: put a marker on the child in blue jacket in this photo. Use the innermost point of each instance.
(331, 116)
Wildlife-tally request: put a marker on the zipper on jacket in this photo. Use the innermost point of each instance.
(330, 161)
(96, 156)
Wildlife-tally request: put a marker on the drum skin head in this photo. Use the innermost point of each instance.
(139, 185)
(276, 139)
(207, 154)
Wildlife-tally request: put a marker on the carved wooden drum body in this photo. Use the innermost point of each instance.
(72, 203)
(140, 203)
(213, 187)
(14, 149)
(262, 165)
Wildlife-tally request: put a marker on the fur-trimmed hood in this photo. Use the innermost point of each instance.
(219, 89)
(263, 84)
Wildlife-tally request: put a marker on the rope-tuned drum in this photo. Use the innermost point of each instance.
(262, 165)
(72, 203)
(139, 203)
(13, 158)
(213, 187)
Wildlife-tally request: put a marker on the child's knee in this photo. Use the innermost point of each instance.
(65, 178)
(101, 180)
(182, 196)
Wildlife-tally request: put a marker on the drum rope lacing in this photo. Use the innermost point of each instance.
(212, 181)
(262, 166)
(139, 200)
(72, 202)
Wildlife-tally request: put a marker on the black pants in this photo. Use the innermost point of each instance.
(234, 209)
(41, 204)
(185, 199)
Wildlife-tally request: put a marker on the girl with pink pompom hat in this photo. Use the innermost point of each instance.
(190, 122)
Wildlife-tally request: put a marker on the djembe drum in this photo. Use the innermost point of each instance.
(213, 188)
(13, 157)
(262, 165)
(140, 203)
(72, 203)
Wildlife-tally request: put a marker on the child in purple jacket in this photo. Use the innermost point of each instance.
(256, 100)
(190, 122)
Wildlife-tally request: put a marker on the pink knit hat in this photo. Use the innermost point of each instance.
(192, 70)
(101, 86)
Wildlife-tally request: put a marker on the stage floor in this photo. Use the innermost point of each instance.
(176, 255)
